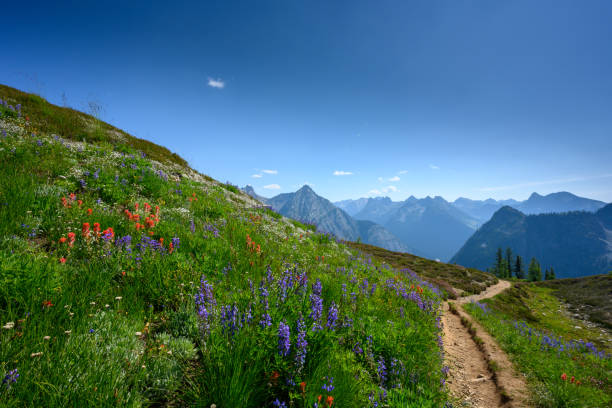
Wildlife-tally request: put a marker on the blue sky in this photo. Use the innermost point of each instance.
(474, 99)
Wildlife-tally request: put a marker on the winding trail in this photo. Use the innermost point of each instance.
(469, 378)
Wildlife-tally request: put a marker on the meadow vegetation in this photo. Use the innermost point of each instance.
(566, 364)
(127, 279)
(447, 276)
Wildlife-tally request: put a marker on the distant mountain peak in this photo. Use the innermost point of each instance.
(305, 188)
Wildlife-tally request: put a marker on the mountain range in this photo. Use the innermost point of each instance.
(482, 210)
(306, 205)
(575, 243)
(434, 228)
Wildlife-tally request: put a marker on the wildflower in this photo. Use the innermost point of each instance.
(564, 376)
(89, 211)
(284, 341)
(332, 316)
(279, 404)
(85, 230)
(71, 238)
(62, 240)
(96, 228)
(572, 379)
(330, 387)
(80, 202)
(381, 369)
(37, 354)
(47, 338)
(302, 344)
(303, 386)
(9, 325)
(330, 400)
(91, 330)
(47, 303)
(11, 377)
(62, 260)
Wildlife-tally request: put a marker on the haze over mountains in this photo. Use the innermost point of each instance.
(306, 205)
(559, 202)
(576, 243)
(434, 228)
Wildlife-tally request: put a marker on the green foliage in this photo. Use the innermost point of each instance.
(445, 276)
(568, 377)
(97, 319)
(534, 273)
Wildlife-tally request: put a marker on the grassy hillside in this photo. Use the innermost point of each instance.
(446, 276)
(567, 362)
(128, 279)
(590, 297)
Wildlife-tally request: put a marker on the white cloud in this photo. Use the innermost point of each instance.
(272, 187)
(257, 176)
(270, 171)
(381, 179)
(434, 167)
(342, 173)
(402, 172)
(394, 178)
(384, 190)
(390, 188)
(216, 83)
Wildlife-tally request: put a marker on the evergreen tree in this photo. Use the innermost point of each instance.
(519, 270)
(499, 263)
(549, 274)
(535, 272)
(508, 270)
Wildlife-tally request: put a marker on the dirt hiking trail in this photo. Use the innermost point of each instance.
(469, 378)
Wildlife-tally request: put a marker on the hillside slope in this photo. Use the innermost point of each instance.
(130, 281)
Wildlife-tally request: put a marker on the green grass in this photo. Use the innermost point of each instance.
(528, 325)
(446, 276)
(74, 125)
(588, 296)
(112, 322)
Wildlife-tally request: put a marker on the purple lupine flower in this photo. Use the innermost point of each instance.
(301, 343)
(83, 183)
(381, 370)
(39, 143)
(279, 404)
(328, 387)
(192, 226)
(357, 349)
(317, 288)
(332, 316)
(284, 339)
(96, 174)
(316, 310)
(205, 302)
(266, 320)
(229, 318)
(10, 378)
(176, 242)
